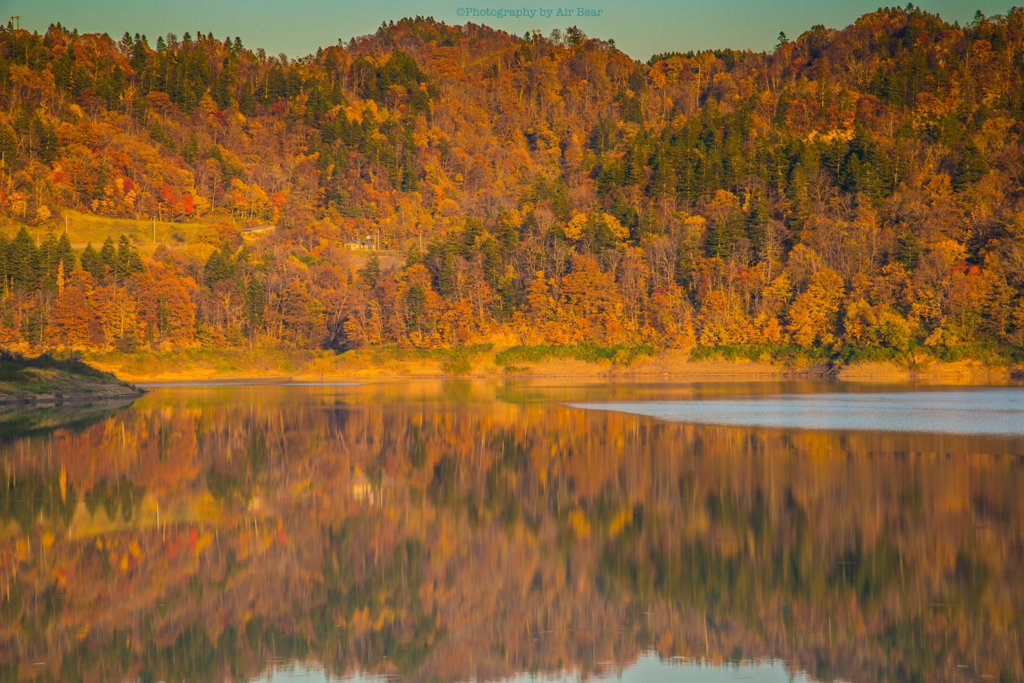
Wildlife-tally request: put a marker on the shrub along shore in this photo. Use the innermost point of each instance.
(976, 363)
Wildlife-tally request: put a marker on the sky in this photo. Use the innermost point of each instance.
(640, 28)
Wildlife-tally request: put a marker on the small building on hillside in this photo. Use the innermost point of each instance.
(365, 245)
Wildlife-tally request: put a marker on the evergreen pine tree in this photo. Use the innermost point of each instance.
(722, 236)
(410, 182)
(65, 254)
(370, 273)
(5, 273)
(190, 152)
(222, 90)
(8, 149)
(48, 257)
(24, 261)
(92, 263)
(157, 132)
(127, 261)
(971, 167)
(218, 267)
(908, 249)
(108, 255)
(757, 222)
(255, 304)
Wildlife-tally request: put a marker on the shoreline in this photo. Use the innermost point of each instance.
(362, 366)
(89, 393)
(49, 380)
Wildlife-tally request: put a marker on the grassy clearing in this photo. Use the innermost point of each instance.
(84, 228)
(620, 354)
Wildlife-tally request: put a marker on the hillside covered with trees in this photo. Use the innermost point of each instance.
(853, 190)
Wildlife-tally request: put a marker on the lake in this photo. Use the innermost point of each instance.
(457, 531)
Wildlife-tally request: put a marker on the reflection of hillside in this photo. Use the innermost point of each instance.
(198, 535)
(18, 421)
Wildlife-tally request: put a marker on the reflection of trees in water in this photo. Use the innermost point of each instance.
(19, 421)
(197, 536)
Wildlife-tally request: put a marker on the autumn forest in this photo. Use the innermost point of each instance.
(853, 193)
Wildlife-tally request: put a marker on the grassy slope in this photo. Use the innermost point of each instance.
(46, 377)
(84, 228)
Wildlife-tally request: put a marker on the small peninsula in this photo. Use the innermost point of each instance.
(49, 379)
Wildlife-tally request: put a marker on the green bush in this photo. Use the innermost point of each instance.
(623, 354)
(778, 353)
(385, 354)
(458, 364)
(850, 354)
(13, 375)
(992, 353)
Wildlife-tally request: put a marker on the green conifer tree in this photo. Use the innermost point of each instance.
(91, 262)
(108, 255)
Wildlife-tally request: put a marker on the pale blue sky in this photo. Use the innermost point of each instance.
(298, 27)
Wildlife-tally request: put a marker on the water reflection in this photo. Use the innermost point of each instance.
(998, 412)
(456, 531)
(17, 421)
(649, 668)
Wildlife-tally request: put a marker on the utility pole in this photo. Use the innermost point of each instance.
(16, 17)
(154, 230)
(65, 222)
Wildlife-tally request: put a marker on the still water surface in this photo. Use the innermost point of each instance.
(461, 531)
(964, 411)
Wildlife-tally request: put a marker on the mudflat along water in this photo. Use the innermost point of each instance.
(463, 531)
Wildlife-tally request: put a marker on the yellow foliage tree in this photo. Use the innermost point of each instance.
(812, 317)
